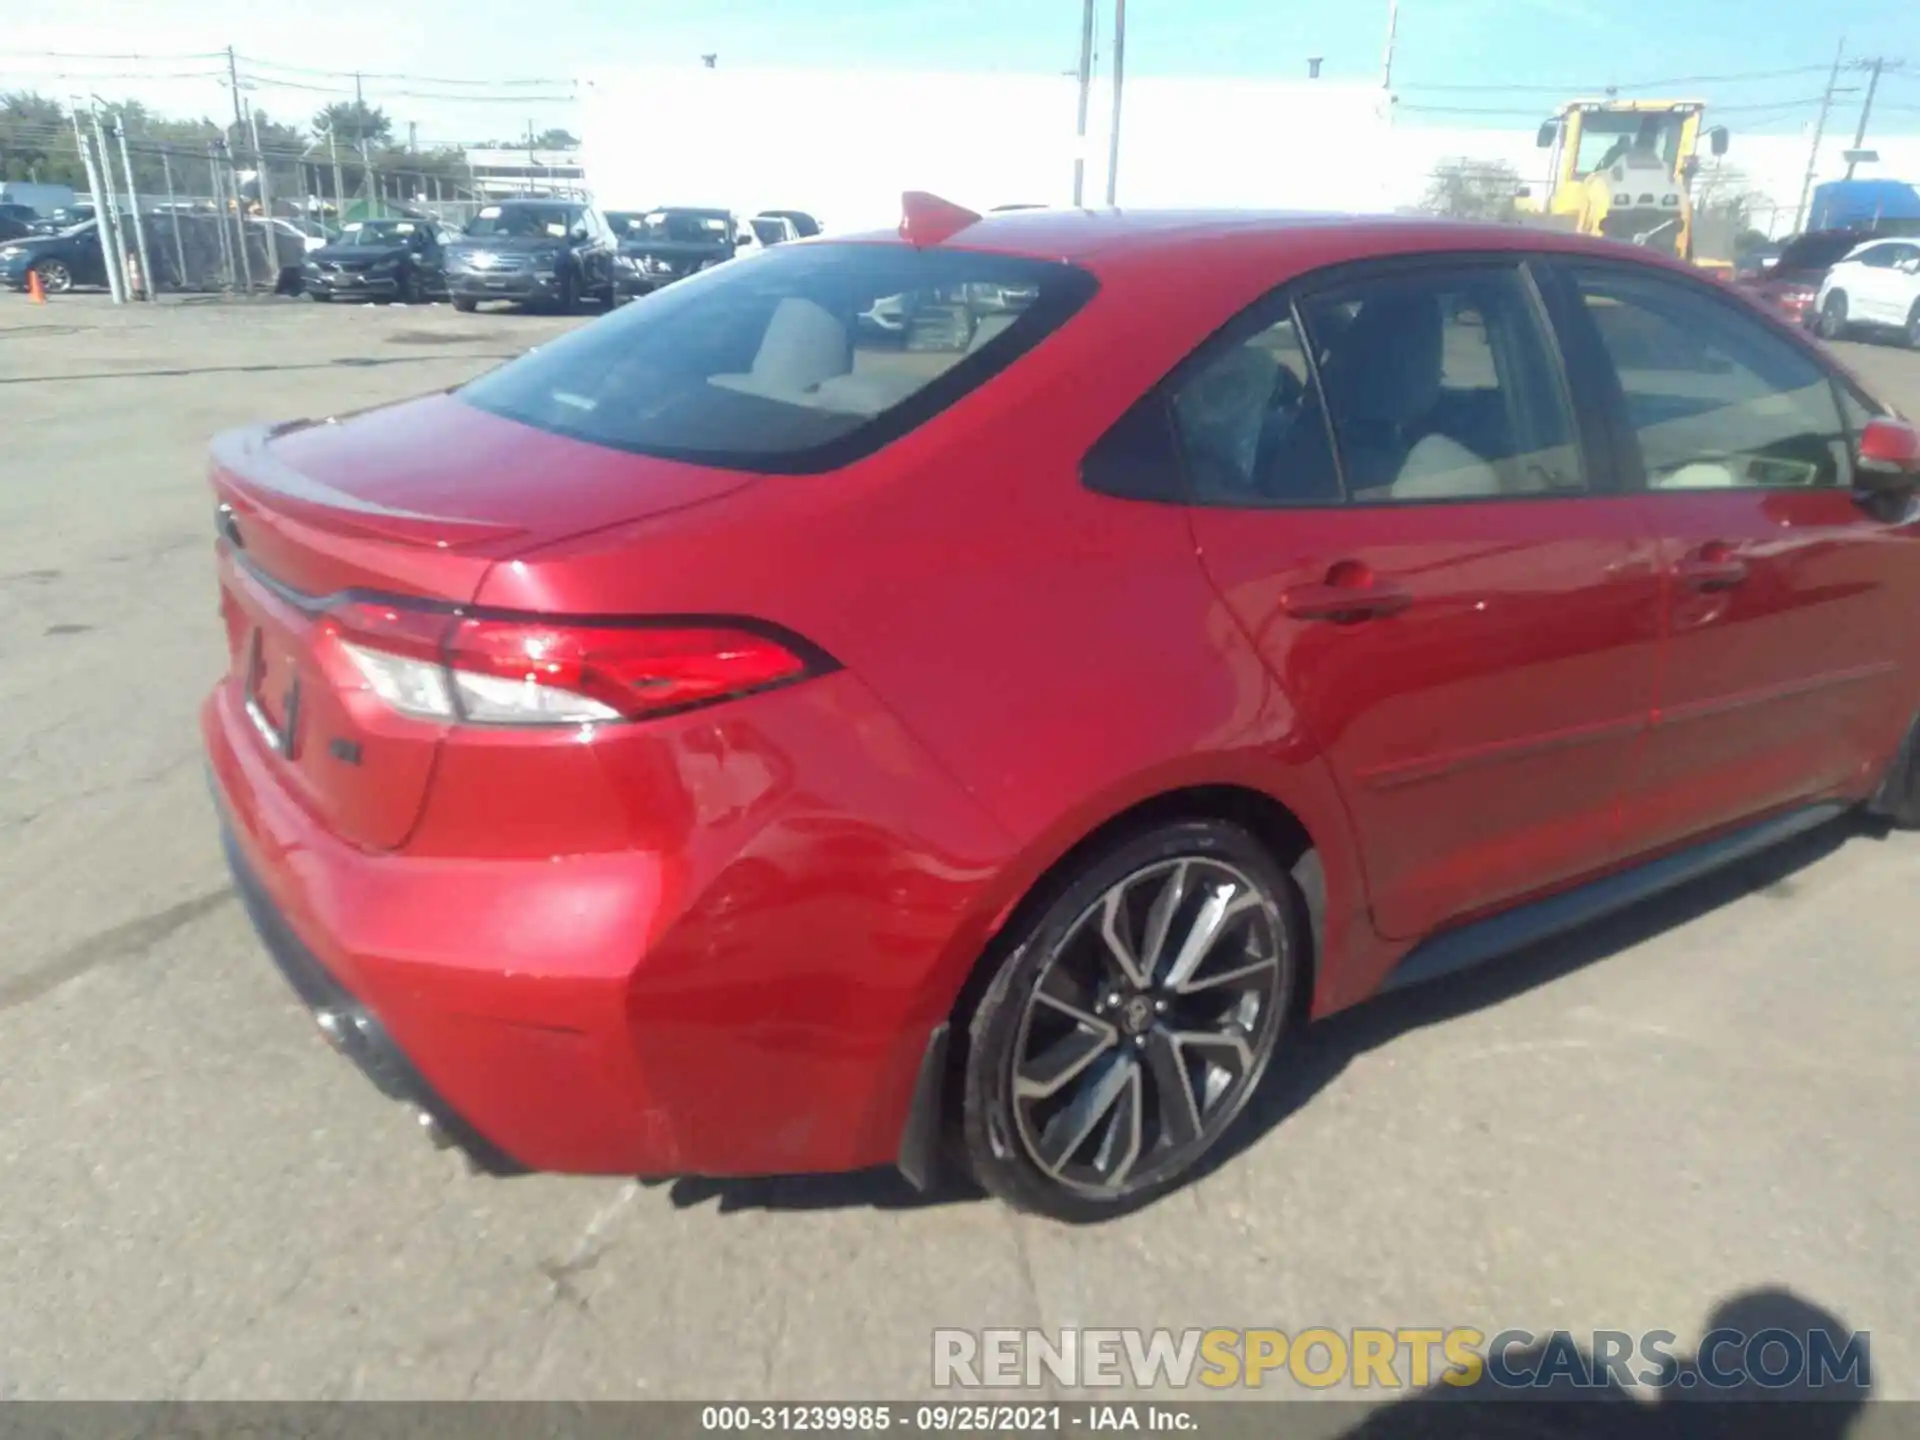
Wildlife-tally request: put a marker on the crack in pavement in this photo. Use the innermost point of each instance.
(95, 792)
(120, 943)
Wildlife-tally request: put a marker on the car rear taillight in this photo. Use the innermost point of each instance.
(531, 670)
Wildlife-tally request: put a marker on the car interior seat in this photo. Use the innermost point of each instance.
(1382, 383)
(804, 346)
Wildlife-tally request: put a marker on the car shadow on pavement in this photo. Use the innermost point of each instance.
(1553, 1386)
(1319, 1053)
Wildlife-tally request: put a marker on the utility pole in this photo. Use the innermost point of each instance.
(360, 123)
(220, 209)
(260, 160)
(133, 196)
(107, 215)
(1386, 58)
(1086, 90)
(1819, 131)
(239, 122)
(99, 208)
(339, 186)
(173, 210)
(1874, 67)
(1119, 76)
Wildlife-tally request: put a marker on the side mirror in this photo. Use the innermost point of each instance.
(1549, 132)
(1717, 139)
(1887, 460)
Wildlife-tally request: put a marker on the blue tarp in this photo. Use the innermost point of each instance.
(1846, 204)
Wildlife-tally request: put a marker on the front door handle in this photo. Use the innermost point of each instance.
(1712, 567)
(1347, 595)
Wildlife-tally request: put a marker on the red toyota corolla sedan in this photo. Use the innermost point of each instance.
(984, 683)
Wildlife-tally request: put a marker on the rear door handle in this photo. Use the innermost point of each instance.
(1345, 603)
(1712, 567)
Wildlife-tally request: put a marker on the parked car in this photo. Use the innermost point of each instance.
(671, 243)
(804, 225)
(546, 253)
(771, 230)
(68, 260)
(1757, 260)
(11, 229)
(1790, 284)
(64, 218)
(1875, 288)
(720, 742)
(402, 260)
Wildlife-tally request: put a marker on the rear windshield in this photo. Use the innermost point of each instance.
(800, 360)
(1817, 252)
(524, 222)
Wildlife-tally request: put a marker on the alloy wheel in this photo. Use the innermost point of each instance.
(55, 278)
(1833, 317)
(1148, 1026)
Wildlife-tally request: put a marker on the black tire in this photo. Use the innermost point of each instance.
(408, 291)
(465, 304)
(1033, 1074)
(568, 300)
(1833, 316)
(1899, 801)
(320, 297)
(1913, 327)
(55, 277)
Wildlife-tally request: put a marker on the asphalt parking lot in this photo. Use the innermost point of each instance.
(199, 1200)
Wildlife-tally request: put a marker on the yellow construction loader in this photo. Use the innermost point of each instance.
(1624, 169)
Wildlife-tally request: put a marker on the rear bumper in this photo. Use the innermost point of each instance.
(352, 1028)
(748, 1005)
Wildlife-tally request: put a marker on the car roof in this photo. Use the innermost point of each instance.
(1310, 238)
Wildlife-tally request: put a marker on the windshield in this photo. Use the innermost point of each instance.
(524, 222)
(1817, 251)
(800, 362)
(1606, 137)
(769, 232)
(686, 227)
(623, 220)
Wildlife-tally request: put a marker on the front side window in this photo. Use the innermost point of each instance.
(1443, 385)
(1875, 257)
(1715, 398)
(803, 361)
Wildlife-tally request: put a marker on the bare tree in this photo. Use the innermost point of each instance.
(1472, 190)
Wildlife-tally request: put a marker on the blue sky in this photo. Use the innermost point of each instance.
(1496, 48)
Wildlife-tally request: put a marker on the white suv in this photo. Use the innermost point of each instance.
(1877, 286)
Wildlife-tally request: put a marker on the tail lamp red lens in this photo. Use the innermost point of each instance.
(530, 670)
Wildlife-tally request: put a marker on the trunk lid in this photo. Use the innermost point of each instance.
(416, 501)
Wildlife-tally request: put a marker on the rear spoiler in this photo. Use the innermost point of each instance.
(244, 461)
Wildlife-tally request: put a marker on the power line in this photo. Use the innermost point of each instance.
(268, 82)
(398, 75)
(1513, 88)
(74, 55)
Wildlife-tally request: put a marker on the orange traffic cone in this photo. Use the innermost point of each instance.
(36, 292)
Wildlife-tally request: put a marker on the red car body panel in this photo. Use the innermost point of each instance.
(717, 942)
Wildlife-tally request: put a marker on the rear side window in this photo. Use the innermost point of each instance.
(800, 360)
(1249, 425)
